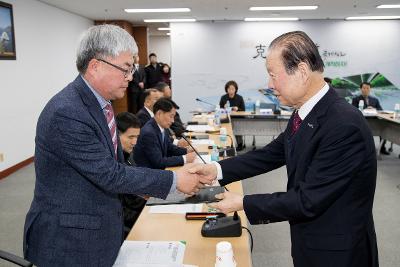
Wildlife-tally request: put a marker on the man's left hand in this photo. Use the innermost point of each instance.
(230, 202)
(182, 143)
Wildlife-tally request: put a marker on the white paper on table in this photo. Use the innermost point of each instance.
(150, 253)
(179, 208)
(208, 142)
(199, 128)
(207, 159)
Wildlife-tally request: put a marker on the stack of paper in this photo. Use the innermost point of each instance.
(151, 253)
(179, 208)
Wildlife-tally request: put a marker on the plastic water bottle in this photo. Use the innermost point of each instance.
(361, 105)
(396, 111)
(257, 107)
(217, 117)
(222, 135)
(228, 107)
(214, 153)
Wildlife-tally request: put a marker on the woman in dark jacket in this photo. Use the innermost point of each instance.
(166, 74)
(236, 101)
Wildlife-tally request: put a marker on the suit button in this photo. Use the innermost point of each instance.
(119, 214)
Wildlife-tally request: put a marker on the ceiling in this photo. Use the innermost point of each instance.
(219, 10)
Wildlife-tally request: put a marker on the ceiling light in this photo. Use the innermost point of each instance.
(388, 6)
(263, 8)
(372, 17)
(168, 20)
(168, 33)
(156, 10)
(271, 19)
(164, 29)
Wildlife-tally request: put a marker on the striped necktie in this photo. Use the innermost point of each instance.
(109, 113)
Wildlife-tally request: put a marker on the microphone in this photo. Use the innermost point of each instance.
(183, 136)
(232, 146)
(205, 102)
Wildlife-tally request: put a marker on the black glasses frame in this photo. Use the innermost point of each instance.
(126, 72)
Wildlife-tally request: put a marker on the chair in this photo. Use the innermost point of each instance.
(14, 259)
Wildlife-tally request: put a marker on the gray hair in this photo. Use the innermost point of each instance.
(103, 41)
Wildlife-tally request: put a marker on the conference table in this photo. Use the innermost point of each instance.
(248, 123)
(200, 251)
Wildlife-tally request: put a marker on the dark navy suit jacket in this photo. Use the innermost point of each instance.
(372, 102)
(151, 151)
(75, 218)
(331, 168)
(143, 115)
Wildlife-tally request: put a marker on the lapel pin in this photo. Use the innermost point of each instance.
(310, 125)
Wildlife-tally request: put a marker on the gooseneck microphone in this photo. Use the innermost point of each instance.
(205, 102)
(183, 136)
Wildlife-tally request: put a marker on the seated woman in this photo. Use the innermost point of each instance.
(129, 129)
(236, 102)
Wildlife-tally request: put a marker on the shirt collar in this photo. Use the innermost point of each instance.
(150, 112)
(103, 103)
(161, 128)
(306, 108)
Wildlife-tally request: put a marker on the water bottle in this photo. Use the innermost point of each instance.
(361, 105)
(228, 107)
(396, 111)
(222, 135)
(257, 107)
(214, 153)
(217, 117)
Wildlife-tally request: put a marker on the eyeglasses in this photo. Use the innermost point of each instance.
(126, 72)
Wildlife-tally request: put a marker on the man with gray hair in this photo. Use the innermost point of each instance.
(329, 154)
(75, 218)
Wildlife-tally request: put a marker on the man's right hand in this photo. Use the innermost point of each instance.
(207, 172)
(186, 182)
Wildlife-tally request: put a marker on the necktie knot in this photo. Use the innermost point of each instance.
(296, 122)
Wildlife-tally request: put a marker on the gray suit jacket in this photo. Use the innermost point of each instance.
(75, 218)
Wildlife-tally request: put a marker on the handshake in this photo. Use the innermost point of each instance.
(193, 176)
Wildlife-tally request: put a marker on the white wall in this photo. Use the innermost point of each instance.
(161, 46)
(205, 55)
(46, 40)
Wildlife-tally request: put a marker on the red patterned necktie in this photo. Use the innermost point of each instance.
(112, 126)
(296, 122)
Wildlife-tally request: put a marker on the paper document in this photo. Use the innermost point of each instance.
(150, 253)
(180, 208)
(208, 142)
(199, 128)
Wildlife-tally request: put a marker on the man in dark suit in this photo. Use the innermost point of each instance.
(136, 87)
(369, 102)
(75, 218)
(129, 129)
(146, 112)
(330, 159)
(177, 126)
(153, 72)
(154, 148)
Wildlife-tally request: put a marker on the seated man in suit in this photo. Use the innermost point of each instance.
(129, 129)
(154, 148)
(177, 126)
(150, 97)
(369, 102)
